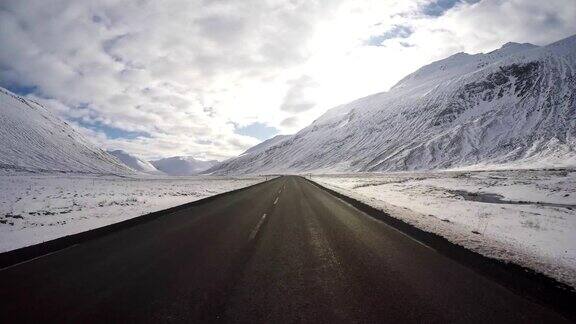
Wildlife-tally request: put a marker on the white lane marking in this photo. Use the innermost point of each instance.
(38, 257)
(257, 228)
(276, 201)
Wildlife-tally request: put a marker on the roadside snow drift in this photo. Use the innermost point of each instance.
(38, 208)
(525, 217)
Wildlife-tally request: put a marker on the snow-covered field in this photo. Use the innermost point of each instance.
(526, 217)
(37, 208)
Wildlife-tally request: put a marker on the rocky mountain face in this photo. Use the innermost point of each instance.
(515, 106)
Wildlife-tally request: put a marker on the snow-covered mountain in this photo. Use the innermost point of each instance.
(514, 106)
(249, 155)
(134, 162)
(259, 148)
(183, 165)
(33, 139)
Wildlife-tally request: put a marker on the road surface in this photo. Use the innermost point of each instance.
(282, 251)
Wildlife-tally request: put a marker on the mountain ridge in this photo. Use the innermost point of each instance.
(35, 140)
(514, 105)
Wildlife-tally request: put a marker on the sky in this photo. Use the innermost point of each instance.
(211, 78)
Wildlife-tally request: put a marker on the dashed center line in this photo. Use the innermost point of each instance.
(257, 228)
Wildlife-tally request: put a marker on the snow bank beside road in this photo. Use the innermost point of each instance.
(38, 208)
(525, 217)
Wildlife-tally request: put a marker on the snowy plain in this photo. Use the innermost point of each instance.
(527, 217)
(39, 207)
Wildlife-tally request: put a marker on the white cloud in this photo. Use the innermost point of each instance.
(290, 123)
(185, 72)
(297, 97)
(155, 67)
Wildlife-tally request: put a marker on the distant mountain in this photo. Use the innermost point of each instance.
(33, 139)
(134, 162)
(183, 165)
(512, 106)
(249, 154)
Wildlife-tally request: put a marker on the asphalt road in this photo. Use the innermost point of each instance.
(282, 251)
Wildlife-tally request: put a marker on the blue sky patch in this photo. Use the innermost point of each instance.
(257, 130)
(439, 7)
(21, 90)
(398, 31)
(112, 132)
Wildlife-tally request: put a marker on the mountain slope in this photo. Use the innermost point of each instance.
(249, 155)
(34, 139)
(514, 105)
(256, 149)
(134, 162)
(182, 165)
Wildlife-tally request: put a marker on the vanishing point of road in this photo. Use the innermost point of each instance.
(282, 251)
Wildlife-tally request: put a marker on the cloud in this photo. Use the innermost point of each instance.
(486, 25)
(463, 26)
(437, 8)
(162, 69)
(296, 99)
(179, 77)
(290, 122)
